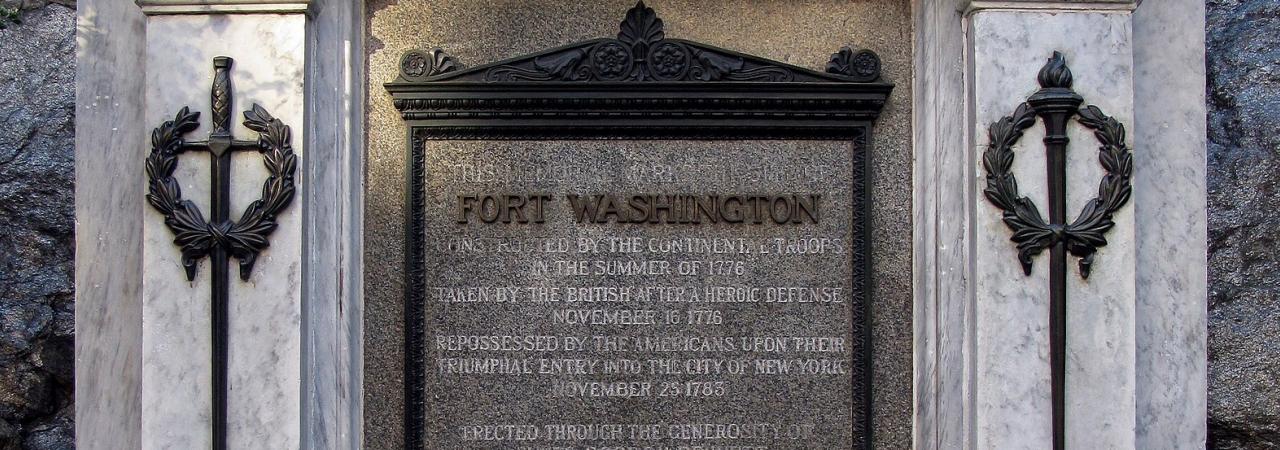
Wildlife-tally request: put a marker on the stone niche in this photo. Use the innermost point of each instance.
(463, 261)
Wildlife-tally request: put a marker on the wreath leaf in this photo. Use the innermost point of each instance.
(249, 235)
(1088, 232)
(1030, 231)
(1032, 234)
(197, 237)
(163, 193)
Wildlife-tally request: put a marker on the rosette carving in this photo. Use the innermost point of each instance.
(861, 65)
(418, 64)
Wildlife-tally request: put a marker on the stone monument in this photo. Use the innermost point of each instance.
(661, 287)
(671, 225)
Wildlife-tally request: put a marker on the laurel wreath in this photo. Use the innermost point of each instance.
(242, 239)
(1087, 232)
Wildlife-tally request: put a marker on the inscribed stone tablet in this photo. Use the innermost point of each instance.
(572, 302)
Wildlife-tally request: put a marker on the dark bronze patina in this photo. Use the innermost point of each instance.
(220, 237)
(1056, 103)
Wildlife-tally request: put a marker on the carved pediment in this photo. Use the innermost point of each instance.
(641, 52)
(638, 81)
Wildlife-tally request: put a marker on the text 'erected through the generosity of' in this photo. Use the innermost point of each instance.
(558, 316)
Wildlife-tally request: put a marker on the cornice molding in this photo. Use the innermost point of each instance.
(199, 7)
(1101, 6)
(641, 85)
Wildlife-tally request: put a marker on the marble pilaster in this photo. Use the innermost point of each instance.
(1170, 191)
(109, 143)
(144, 350)
(941, 218)
(1136, 326)
(1013, 406)
(264, 373)
(207, 7)
(332, 236)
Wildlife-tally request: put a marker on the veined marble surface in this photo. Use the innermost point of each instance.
(332, 206)
(942, 195)
(163, 7)
(265, 314)
(109, 262)
(1013, 407)
(970, 6)
(1170, 190)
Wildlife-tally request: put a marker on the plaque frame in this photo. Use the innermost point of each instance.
(582, 91)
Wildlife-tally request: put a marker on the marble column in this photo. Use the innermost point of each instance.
(982, 350)
(294, 325)
(332, 235)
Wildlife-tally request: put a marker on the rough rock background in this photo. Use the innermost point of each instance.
(37, 98)
(1244, 226)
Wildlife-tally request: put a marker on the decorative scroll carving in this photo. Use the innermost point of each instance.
(611, 61)
(862, 65)
(698, 91)
(417, 64)
(640, 52)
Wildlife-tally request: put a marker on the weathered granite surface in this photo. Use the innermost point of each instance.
(37, 95)
(801, 33)
(14, 6)
(1244, 268)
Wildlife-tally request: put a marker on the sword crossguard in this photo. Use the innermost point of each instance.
(220, 236)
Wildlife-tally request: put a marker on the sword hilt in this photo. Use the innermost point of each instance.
(221, 95)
